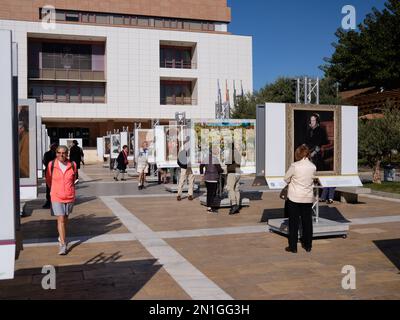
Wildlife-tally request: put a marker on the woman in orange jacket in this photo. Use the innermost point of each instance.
(60, 177)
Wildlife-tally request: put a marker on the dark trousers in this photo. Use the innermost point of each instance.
(48, 194)
(328, 193)
(211, 192)
(297, 211)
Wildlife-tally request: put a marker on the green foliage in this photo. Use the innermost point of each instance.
(368, 57)
(379, 137)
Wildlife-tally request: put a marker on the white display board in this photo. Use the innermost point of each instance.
(167, 139)
(115, 145)
(223, 133)
(280, 127)
(39, 144)
(100, 149)
(147, 136)
(27, 141)
(8, 185)
(68, 142)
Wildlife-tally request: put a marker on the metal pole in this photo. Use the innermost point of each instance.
(305, 90)
(317, 90)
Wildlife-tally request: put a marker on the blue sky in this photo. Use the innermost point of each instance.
(291, 37)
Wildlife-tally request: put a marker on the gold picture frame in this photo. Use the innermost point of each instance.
(337, 145)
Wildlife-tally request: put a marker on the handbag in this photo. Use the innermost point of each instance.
(284, 193)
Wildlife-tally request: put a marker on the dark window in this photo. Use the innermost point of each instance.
(176, 92)
(67, 92)
(72, 17)
(176, 57)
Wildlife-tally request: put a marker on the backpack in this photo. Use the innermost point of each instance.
(52, 169)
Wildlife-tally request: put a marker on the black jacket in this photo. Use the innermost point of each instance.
(121, 161)
(212, 169)
(76, 155)
(48, 157)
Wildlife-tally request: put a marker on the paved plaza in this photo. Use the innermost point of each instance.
(130, 244)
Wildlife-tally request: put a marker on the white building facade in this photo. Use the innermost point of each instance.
(132, 75)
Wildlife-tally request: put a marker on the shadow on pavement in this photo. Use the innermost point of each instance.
(391, 249)
(102, 277)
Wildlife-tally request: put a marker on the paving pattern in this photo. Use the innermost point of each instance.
(126, 244)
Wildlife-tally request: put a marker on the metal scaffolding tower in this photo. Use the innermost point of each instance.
(308, 89)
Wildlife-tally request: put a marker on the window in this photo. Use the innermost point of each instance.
(72, 17)
(74, 95)
(102, 18)
(60, 15)
(195, 25)
(175, 57)
(174, 24)
(134, 21)
(61, 94)
(98, 94)
(127, 20)
(186, 25)
(143, 22)
(86, 95)
(85, 17)
(175, 92)
(158, 23)
(92, 18)
(118, 20)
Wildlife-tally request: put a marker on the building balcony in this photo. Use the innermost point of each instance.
(178, 64)
(66, 74)
(178, 101)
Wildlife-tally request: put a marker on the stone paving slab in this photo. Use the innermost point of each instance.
(92, 271)
(167, 214)
(256, 266)
(90, 217)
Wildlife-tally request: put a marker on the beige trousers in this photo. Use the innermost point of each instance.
(232, 185)
(186, 174)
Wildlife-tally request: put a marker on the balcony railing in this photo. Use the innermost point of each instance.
(68, 98)
(177, 64)
(178, 101)
(66, 74)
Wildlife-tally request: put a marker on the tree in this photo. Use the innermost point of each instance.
(378, 138)
(369, 57)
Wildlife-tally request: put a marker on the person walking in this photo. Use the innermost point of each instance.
(76, 155)
(49, 156)
(233, 179)
(212, 170)
(122, 163)
(186, 171)
(142, 165)
(300, 178)
(61, 178)
(328, 194)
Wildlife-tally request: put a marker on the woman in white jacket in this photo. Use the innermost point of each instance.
(300, 178)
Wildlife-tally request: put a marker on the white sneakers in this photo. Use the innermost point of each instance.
(63, 248)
